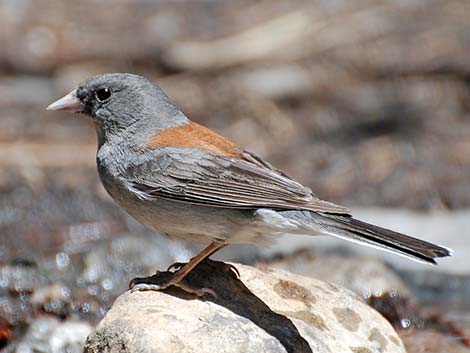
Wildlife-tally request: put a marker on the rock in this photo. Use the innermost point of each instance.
(384, 290)
(431, 342)
(265, 310)
(367, 276)
(47, 334)
(5, 332)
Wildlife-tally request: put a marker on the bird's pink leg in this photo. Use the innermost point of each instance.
(164, 280)
(203, 254)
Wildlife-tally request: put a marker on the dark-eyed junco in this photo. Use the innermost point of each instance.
(186, 181)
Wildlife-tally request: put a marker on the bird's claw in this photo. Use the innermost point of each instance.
(163, 280)
(175, 266)
(233, 269)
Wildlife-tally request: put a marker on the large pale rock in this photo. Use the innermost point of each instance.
(266, 310)
(367, 276)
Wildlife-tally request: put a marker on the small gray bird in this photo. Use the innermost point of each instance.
(188, 182)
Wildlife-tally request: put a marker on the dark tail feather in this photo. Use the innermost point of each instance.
(354, 230)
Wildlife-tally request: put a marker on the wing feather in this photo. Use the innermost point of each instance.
(202, 178)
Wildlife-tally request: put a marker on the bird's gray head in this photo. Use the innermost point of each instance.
(118, 103)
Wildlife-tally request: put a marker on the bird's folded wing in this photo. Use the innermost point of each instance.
(210, 180)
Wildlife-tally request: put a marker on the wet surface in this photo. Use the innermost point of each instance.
(60, 263)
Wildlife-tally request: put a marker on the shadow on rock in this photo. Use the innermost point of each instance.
(235, 296)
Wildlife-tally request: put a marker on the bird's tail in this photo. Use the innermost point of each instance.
(357, 231)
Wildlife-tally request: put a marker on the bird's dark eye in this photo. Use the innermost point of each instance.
(103, 94)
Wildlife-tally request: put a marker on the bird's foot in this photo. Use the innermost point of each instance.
(163, 280)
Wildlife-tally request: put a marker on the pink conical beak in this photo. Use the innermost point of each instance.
(68, 103)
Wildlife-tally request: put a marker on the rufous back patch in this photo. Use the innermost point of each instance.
(195, 136)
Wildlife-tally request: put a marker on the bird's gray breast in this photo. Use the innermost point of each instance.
(110, 167)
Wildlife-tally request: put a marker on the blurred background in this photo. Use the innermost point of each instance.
(366, 102)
